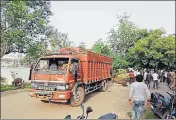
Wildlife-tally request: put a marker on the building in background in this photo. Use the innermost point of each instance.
(11, 60)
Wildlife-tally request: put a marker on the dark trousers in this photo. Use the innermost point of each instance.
(161, 78)
(168, 81)
(147, 82)
(164, 79)
(75, 74)
(155, 84)
(131, 80)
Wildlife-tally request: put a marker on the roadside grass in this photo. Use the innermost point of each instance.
(11, 87)
(148, 114)
(7, 87)
(27, 85)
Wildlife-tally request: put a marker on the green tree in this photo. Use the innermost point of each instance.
(24, 23)
(118, 62)
(101, 47)
(123, 35)
(58, 40)
(152, 50)
(35, 51)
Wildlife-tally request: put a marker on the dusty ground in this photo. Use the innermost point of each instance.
(20, 105)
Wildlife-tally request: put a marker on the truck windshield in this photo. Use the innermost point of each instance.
(52, 65)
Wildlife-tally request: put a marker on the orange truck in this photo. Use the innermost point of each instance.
(69, 74)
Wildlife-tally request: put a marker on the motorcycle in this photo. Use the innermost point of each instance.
(163, 106)
(89, 110)
(171, 113)
(159, 104)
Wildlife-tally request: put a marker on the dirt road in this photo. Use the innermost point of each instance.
(20, 105)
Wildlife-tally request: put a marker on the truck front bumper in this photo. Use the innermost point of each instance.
(49, 95)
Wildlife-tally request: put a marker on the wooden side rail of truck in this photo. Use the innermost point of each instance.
(70, 74)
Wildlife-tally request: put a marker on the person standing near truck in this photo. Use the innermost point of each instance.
(138, 91)
(75, 71)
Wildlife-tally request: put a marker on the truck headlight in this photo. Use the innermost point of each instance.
(33, 85)
(61, 87)
(66, 86)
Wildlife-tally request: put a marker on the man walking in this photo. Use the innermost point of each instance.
(145, 75)
(131, 75)
(148, 79)
(165, 75)
(138, 91)
(168, 77)
(155, 80)
(161, 75)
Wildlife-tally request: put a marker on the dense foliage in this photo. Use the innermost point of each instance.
(130, 46)
(24, 24)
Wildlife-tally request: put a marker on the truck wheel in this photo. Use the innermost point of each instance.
(104, 87)
(77, 100)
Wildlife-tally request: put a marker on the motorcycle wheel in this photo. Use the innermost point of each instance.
(166, 115)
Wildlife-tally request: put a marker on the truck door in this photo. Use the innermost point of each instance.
(74, 70)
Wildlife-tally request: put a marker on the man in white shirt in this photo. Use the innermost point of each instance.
(138, 73)
(138, 91)
(155, 80)
(165, 76)
(145, 75)
(135, 73)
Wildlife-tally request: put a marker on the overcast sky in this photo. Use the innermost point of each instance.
(87, 21)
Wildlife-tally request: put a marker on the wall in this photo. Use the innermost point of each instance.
(21, 72)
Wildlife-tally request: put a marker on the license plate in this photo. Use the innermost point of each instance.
(43, 92)
(46, 88)
(40, 92)
(41, 87)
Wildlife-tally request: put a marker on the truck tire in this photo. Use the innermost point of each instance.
(79, 98)
(104, 86)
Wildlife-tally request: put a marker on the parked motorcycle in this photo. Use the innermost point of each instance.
(163, 106)
(171, 113)
(89, 110)
(159, 104)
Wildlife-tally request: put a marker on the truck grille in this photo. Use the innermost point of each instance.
(46, 86)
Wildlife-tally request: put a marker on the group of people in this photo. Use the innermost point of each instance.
(140, 81)
(155, 76)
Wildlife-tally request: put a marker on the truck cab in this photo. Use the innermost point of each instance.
(54, 73)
